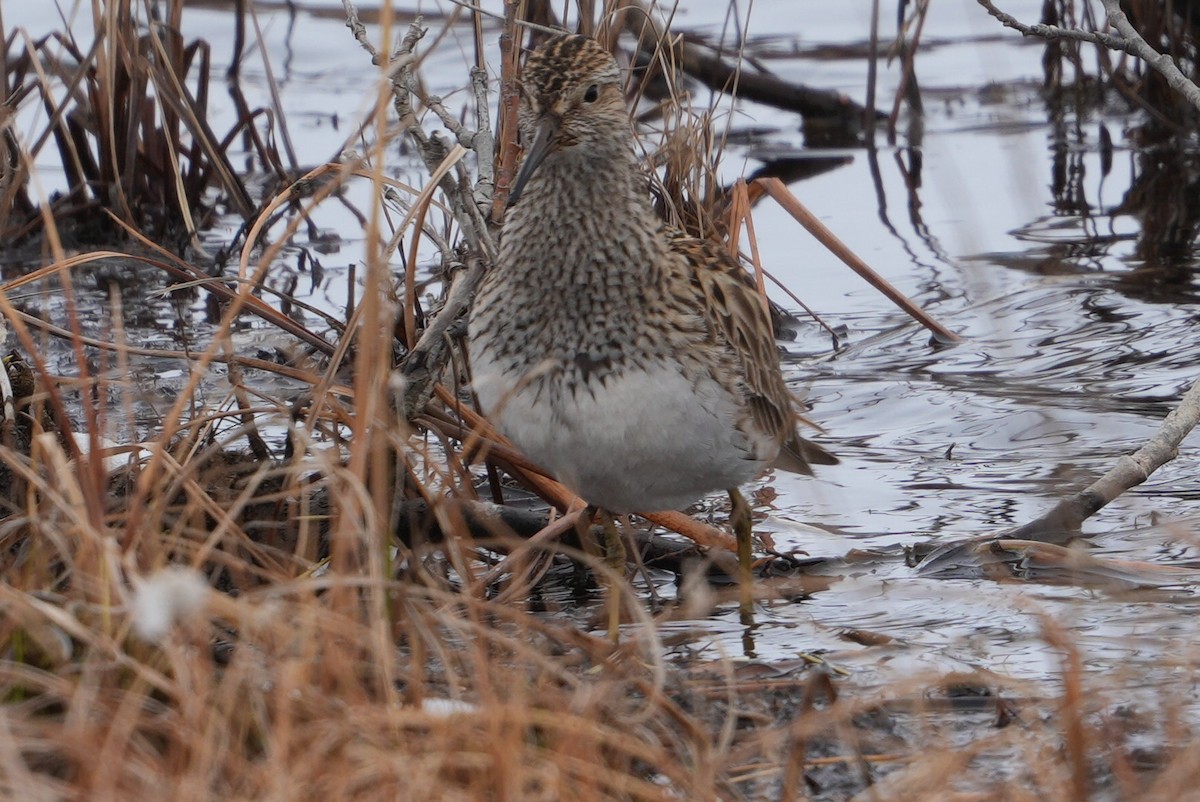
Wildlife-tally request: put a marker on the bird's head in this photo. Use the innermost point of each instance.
(571, 97)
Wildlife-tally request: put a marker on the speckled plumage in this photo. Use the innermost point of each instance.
(635, 363)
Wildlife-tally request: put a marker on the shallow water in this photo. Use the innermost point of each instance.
(1074, 349)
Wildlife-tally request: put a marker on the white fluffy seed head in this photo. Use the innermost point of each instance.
(163, 599)
(446, 708)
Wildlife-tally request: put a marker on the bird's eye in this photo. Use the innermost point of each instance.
(592, 93)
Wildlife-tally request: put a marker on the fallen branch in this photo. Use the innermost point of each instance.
(1062, 523)
(1008, 559)
(717, 74)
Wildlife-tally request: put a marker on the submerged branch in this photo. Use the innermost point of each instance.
(484, 521)
(1062, 523)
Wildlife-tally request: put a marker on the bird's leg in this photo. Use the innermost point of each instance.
(740, 520)
(614, 547)
(614, 556)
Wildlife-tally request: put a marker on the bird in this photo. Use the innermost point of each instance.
(636, 363)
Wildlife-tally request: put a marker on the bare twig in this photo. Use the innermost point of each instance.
(469, 205)
(423, 365)
(1130, 41)
(1053, 32)
(433, 151)
(1161, 62)
(481, 141)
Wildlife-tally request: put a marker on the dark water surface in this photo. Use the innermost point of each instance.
(1075, 347)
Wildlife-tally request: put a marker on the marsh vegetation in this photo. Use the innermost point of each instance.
(258, 544)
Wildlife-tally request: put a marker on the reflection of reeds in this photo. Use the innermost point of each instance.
(1160, 84)
(395, 670)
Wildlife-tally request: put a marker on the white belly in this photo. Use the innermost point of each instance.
(644, 441)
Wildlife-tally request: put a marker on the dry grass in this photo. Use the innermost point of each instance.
(335, 662)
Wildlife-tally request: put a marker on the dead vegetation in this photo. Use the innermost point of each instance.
(205, 619)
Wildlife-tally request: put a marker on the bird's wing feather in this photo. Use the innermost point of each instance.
(737, 314)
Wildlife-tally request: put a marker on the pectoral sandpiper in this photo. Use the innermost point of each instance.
(635, 363)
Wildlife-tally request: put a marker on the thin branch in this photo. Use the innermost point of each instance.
(1159, 61)
(1129, 41)
(423, 365)
(1054, 32)
(482, 142)
(433, 151)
